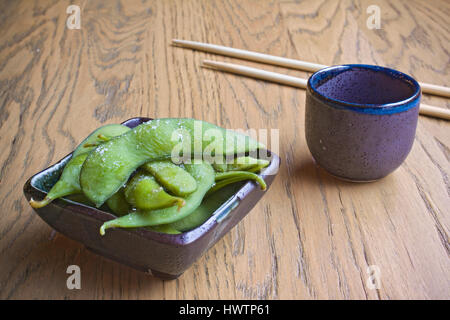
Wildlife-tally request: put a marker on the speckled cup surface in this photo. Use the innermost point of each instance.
(361, 120)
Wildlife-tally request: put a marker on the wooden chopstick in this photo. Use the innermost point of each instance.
(284, 62)
(257, 73)
(250, 55)
(433, 111)
(426, 110)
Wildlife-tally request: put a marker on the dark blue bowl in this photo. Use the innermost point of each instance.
(361, 120)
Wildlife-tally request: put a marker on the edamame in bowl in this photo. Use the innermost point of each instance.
(153, 194)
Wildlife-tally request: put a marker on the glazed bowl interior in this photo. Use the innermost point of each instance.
(364, 86)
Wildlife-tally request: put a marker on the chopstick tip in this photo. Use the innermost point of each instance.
(177, 42)
(210, 63)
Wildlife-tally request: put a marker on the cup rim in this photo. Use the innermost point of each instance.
(391, 107)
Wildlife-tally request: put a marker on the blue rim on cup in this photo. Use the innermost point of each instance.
(323, 75)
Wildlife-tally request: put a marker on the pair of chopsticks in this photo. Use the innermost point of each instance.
(294, 64)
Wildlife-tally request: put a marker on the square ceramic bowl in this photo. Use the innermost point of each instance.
(162, 255)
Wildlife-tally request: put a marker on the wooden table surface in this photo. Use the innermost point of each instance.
(311, 236)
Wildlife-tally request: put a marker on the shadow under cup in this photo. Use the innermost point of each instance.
(361, 120)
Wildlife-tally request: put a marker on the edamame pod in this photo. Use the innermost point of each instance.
(67, 184)
(69, 181)
(143, 192)
(118, 204)
(172, 177)
(242, 164)
(204, 211)
(225, 178)
(99, 136)
(203, 173)
(109, 166)
(195, 219)
(79, 198)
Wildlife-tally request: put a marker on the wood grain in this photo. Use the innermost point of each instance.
(311, 236)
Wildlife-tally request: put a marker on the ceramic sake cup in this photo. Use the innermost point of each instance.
(361, 120)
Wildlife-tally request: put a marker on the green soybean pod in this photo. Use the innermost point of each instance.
(79, 198)
(69, 180)
(143, 192)
(195, 219)
(203, 173)
(248, 164)
(172, 177)
(223, 179)
(109, 166)
(98, 136)
(118, 203)
(67, 184)
(242, 164)
(204, 211)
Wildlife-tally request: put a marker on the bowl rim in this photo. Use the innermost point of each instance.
(321, 75)
(182, 239)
